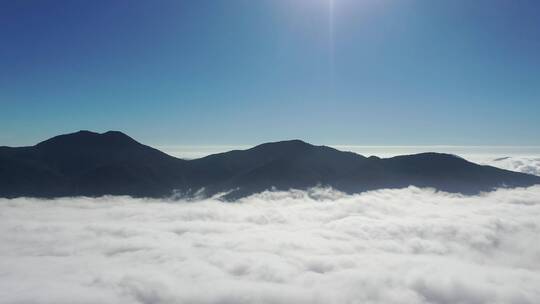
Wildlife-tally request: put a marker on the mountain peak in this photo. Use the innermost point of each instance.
(113, 133)
(284, 144)
(285, 147)
(87, 138)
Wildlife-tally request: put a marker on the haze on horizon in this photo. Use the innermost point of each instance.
(246, 72)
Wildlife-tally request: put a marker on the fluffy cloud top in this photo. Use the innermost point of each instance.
(320, 246)
(530, 165)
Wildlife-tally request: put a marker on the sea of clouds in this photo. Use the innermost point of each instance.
(530, 165)
(318, 246)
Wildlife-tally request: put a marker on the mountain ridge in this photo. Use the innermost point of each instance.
(112, 163)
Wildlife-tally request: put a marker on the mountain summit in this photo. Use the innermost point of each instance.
(112, 163)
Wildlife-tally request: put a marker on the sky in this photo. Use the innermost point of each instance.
(242, 72)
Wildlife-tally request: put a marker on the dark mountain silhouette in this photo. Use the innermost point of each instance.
(92, 164)
(87, 163)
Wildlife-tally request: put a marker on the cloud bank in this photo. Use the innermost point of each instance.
(319, 246)
(530, 165)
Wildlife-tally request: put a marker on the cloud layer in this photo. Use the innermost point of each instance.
(530, 165)
(320, 246)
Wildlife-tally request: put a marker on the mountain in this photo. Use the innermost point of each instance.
(87, 163)
(92, 164)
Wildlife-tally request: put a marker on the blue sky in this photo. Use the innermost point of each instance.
(390, 72)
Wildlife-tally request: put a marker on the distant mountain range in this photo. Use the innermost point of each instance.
(92, 164)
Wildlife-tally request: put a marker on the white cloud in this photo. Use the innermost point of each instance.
(530, 165)
(320, 246)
